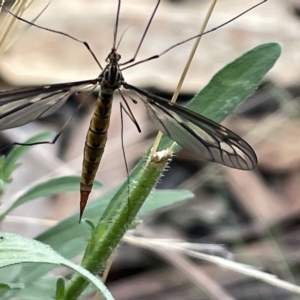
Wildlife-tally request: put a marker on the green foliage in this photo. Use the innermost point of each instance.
(16, 249)
(113, 213)
(50, 187)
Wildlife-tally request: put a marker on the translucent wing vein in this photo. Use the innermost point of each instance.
(205, 138)
(21, 106)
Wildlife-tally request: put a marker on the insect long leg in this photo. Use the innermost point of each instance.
(122, 108)
(129, 112)
(86, 45)
(213, 29)
(143, 36)
(193, 37)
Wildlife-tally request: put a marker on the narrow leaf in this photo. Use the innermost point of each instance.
(50, 187)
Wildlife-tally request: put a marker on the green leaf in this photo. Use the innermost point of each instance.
(47, 188)
(68, 237)
(70, 230)
(15, 249)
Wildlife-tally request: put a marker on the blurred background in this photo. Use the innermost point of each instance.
(254, 214)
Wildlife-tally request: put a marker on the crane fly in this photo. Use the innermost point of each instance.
(203, 137)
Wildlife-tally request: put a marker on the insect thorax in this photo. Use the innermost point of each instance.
(111, 78)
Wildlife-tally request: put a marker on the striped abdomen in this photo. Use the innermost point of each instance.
(110, 80)
(94, 145)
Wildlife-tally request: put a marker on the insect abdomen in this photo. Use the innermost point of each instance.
(94, 146)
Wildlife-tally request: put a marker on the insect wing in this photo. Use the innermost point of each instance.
(205, 138)
(21, 106)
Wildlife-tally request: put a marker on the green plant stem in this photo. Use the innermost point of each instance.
(114, 223)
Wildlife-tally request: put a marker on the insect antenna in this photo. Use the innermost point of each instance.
(121, 38)
(117, 26)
